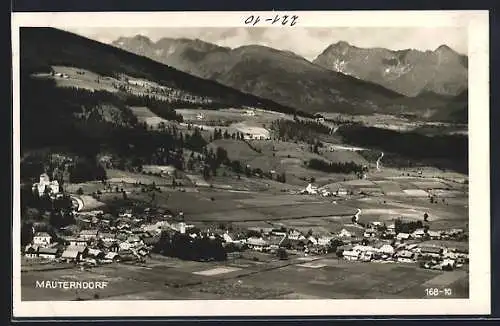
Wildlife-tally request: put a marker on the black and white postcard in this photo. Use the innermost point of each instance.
(251, 163)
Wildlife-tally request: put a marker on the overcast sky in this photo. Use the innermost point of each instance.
(307, 42)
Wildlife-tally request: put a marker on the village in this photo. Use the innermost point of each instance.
(133, 234)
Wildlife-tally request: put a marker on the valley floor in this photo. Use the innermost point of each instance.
(321, 277)
(258, 275)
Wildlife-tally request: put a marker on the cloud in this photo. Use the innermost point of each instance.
(307, 42)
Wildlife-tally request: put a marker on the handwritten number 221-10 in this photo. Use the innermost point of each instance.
(285, 20)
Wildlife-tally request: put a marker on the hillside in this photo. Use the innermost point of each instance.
(42, 48)
(409, 72)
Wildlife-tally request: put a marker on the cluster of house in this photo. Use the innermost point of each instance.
(368, 246)
(430, 256)
(89, 247)
(98, 242)
(271, 239)
(103, 238)
(404, 247)
(169, 93)
(323, 191)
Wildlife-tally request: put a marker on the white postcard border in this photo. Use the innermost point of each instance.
(479, 197)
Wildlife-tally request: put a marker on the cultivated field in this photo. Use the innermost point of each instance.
(246, 278)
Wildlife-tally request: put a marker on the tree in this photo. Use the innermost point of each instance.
(80, 191)
(282, 254)
(397, 225)
(283, 178)
(221, 155)
(26, 233)
(33, 213)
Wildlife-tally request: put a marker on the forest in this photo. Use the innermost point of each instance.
(442, 151)
(299, 130)
(184, 247)
(332, 167)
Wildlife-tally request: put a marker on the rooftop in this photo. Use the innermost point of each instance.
(42, 234)
(51, 251)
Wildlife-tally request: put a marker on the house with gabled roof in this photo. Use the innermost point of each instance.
(72, 255)
(111, 246)
(107, 236)
(351, 254)
(95, 253)
(432, 251)
(112, 256)
(405, 256)
(257, 243)
(434, 235)
(72, 241)
(90, 234)
(402, 236)
(48, 253)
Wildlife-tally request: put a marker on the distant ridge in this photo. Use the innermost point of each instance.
(409, 72)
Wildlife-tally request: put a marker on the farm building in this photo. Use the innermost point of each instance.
(88, 234)
(111, 246)
(405, 257)
(256, 133)
(418, 233)
(345, 234)
(107, 236)
(402, 236)
(386, 249)
(351, 255)
(369, 233)
(95, 253)
(163, 169)
(431, 251)
(71, 255)
(434, 235)
(112, 256)
(72, 241)
(256, 243)
(48, 253)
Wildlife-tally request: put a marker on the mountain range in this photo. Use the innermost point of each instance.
(409, 72)
(343, 78)
(251, 75)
